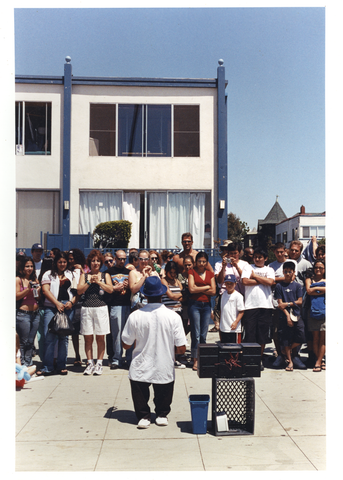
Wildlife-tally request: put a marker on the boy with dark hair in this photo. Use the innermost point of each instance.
(232, 311)
(258, 280)
(292, 330)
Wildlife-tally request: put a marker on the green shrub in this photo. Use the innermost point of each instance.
(114, 234)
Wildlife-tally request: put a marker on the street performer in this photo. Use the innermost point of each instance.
(158, 335)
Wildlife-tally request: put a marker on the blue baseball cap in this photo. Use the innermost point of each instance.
(230, 278)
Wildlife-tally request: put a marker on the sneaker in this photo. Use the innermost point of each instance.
(114, 366)
(279, 362)
(144, 423)
(98, 369)
(298, 363)
(161, 421)
(89, 369)
(179, 364)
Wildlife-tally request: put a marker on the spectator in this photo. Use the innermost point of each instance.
(172, 299)
(133, 259)
(109, 261)
(277, 266)
(232, 311)
(187, 243)
(258, 280)
(158, 335)
(202, 286)
(37, 252)
(289, 297)
(248, 255)
(137, 279)
(27, 316)
(188, 264)
(315, 288)
(94, 310)
(156, 261)
(120, 307)
(303, 270)
(77, 265)
(56, 287)
(231, 264)
(53, 252)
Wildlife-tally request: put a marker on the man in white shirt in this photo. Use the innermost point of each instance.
(258, 280)
(37, 252)
(158, 335)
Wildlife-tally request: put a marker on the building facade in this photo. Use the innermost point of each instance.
(302, 226)
(151, 151)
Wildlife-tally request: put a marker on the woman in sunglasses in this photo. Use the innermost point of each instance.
(137, 279)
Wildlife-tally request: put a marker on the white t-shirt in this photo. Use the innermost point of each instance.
(156, 330)
(231, 270)
(231, 305)
(258, 296)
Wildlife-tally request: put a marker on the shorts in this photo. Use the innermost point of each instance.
(230, 337)
(289, 335)
(95, 320)
(257, 324)
(315, 325)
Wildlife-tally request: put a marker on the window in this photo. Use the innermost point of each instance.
(33, 128)
(186, 131)
(284, 237)
(144, 130)
(318, 232)
(102, 129)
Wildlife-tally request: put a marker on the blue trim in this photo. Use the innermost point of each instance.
(38, 79)
(135, 82)
(222, 154)
(66, 154)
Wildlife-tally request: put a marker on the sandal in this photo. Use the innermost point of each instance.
(323, 365)
(63, 372)
(77, 363)
(289, 369)
(317, 368)
(214, 329)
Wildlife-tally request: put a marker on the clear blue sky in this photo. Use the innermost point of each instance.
(274, 60)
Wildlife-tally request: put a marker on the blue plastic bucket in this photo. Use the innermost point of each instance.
(199, 409)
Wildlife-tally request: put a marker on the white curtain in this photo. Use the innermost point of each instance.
(131, 212)
(197, 219)
(172, 214)
(158, 220)
(178, 217)
(98, 207)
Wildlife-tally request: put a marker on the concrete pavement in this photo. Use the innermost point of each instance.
(79, 423)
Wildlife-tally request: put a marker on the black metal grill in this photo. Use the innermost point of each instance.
(236, 398)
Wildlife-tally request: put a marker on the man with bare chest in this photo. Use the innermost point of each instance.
(187, 243)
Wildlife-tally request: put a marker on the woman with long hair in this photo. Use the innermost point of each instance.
(56, 287)
(77, 265)
(315, 288)
(202, 286)
(94, 310)
(27, 317)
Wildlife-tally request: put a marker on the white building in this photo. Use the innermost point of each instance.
(302, 226)
(151, 151)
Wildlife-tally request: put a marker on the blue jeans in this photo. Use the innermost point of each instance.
(50, 341)
(199, 315)
(118, 317)
(26, 326)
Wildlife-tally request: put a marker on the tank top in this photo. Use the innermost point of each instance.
(172, 304)
(94, 295)
(29, 300)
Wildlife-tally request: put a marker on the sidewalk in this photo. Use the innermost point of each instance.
(79, 423)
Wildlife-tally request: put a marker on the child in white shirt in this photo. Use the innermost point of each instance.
(232, 311)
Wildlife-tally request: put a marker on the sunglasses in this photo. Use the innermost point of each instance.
(108, 261)
(143, 259)
(154, 258)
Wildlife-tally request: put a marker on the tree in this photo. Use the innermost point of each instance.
(236, 229)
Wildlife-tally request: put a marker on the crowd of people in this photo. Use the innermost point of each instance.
(280, 303)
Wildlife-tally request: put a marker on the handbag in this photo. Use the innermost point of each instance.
(61, 325)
